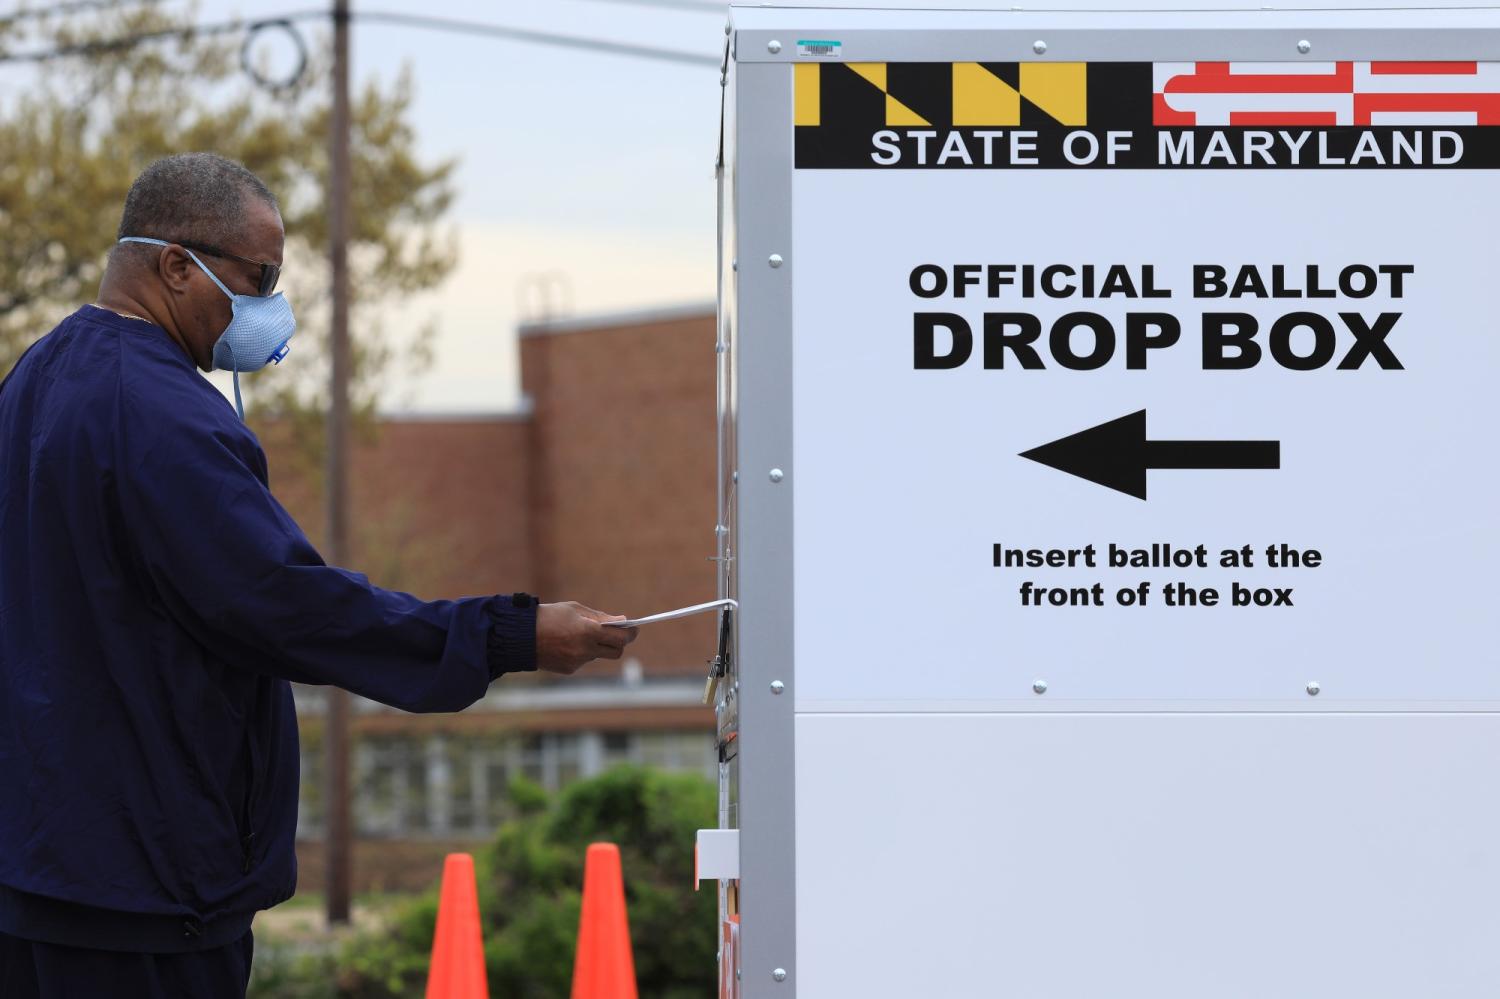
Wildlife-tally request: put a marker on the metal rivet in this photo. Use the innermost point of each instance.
(734, 264)
(1304, 46)
(779, 974)
(775, 260)
(1040, 686)
(1039, 46)
(777, 686)
(734, 476)
(777, 475)
(728, 28)
(773, 46)
(1313, 688)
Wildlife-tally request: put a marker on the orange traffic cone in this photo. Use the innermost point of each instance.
(457, 969)
(604, 968)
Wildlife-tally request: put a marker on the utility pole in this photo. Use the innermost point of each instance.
(336, 825)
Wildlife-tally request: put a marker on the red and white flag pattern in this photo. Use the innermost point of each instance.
(1329, 93)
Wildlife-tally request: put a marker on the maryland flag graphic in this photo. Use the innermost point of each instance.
(1146, 115)
(1330, 93)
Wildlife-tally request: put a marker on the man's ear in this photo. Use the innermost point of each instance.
(175, 268)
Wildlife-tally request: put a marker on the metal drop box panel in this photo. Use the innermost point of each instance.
(1108, 487)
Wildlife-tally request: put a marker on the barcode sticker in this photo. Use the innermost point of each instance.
(818, 48)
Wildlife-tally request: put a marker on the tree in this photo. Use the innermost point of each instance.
(74, 142)
(529, 896)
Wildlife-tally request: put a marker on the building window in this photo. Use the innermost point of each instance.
(390, 787)
(442, 785)
(616, 748)
(310, 793)
(692, 752)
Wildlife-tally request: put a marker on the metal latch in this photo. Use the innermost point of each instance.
(718, 666)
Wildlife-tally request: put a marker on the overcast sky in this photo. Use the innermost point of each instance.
(594, 167)
(591, 166)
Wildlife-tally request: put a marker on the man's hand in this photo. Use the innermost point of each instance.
(568, 635)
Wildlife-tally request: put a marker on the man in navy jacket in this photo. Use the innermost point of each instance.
(155, 600)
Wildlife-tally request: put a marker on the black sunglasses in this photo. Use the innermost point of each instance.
(269, 273)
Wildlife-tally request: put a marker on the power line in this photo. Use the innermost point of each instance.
(454, 25)
(700, 6)
(74, 6)
(540, 37)
(68, 7)
(101, 45)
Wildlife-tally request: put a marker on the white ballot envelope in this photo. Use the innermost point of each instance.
(679, 612)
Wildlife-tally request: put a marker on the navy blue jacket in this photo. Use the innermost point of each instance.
(154, 601)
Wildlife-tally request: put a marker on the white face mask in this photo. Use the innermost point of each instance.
(258, 329)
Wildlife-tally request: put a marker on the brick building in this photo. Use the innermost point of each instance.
(600, 489)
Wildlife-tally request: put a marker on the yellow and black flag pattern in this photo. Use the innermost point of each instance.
(840, 107)
(956, 94)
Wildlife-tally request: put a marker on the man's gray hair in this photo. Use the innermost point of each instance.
(192, 197)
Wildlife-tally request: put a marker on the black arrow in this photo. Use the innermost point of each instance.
(1116, 454)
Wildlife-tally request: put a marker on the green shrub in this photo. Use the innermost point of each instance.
(281, 973)
(530, 880)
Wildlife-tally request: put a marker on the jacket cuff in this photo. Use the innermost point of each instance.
(511, 647)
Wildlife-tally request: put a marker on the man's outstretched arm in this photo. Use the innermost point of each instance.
(234, 570)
